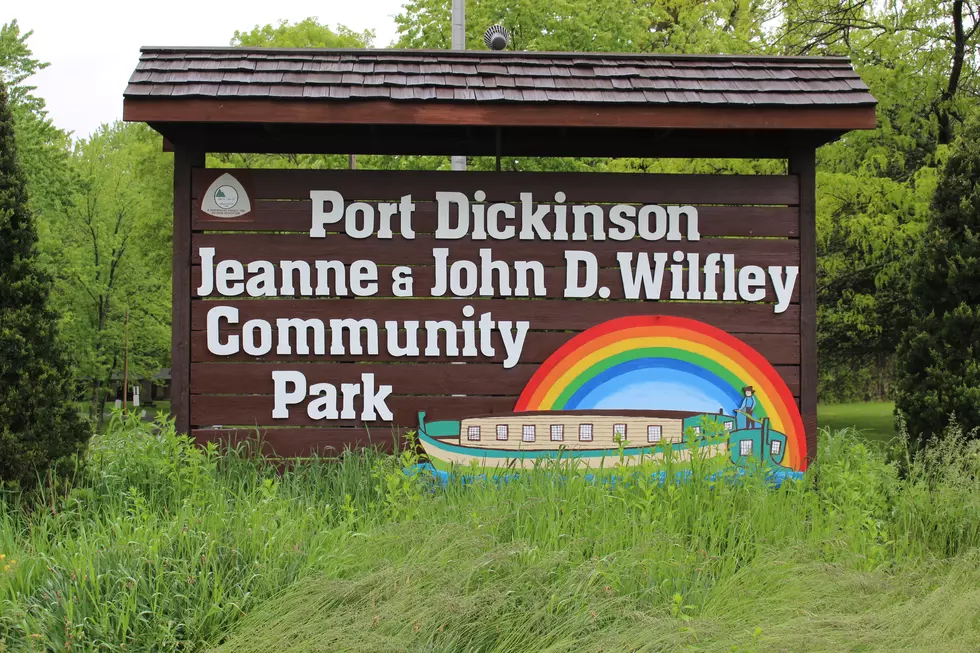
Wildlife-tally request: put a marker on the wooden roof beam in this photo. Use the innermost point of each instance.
(387, 112)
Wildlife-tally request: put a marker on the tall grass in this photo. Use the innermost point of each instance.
(162, 546)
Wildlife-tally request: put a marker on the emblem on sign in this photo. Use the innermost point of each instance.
(226, 198)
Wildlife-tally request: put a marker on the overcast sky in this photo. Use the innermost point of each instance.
(93, 45)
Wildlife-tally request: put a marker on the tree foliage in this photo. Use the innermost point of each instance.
(38, 423)
(666, 26)
(875, 187)
(939, 371)
(110, 248)
(307, 33)
(44, 150)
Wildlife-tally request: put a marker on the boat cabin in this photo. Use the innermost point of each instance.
(583, 429)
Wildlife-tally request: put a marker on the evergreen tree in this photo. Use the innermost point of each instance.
(939, 371)
(38, 425)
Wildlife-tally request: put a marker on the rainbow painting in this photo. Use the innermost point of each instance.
(642, 388)
(660, 362)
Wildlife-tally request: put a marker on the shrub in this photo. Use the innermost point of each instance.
(939, 359)
(38, 424)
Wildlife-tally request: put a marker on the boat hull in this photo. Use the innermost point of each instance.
(445, 455)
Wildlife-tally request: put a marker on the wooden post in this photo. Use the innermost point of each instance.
(125, 362)
(803, 163)
(185, 160)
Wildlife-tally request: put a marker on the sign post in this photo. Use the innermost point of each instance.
(665, 316)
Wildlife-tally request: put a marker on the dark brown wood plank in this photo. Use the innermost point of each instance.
(390, 112)
(185, 161)
(803, 163)
(418, 378)
(406, 378)
(302, 442)
(492, 141)
(579, 187)
(554, 281)
(544, 314)
(251, 410)
(296, 216)
(248, 247)
(778, 349)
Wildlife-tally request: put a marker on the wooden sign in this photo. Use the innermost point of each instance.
(504, 316)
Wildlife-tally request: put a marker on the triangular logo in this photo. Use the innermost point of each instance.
(226, 198)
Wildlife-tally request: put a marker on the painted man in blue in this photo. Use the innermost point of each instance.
(745, 410)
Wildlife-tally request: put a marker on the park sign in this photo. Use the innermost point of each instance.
(505, 317)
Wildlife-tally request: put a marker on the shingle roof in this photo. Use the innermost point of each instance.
(477, 76)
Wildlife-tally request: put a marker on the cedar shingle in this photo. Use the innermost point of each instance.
(425, 93)
(497, 77)
(489, 94)
(316, 91)
(491, 69)
(288, 90)
(401, 93)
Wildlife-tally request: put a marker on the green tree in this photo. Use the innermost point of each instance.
(44, 150)
(939, 370)
(307, 33)
(675, 26)
(38, 423)
(111, 251)
(874, 188)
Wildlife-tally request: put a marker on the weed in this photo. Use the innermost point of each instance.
(166, 546)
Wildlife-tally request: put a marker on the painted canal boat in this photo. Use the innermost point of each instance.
(600, 438)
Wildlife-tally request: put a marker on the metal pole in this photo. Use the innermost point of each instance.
(459, 43)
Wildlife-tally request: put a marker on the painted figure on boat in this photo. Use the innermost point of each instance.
(743, 414)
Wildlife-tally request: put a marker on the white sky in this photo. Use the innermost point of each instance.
(93, 45)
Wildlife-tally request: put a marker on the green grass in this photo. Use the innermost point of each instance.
(874, 420)
(161, 546)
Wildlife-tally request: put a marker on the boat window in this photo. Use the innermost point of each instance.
(654, 433)
(557, 432)
(585, 432)
(697, 429)
(527, 433)
(745, 447)
(473, 433)
(776, 447)
(729, 426)
(501, 431)
(619, 431)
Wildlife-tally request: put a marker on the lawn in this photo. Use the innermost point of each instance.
(163, 546)
(875, 420)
